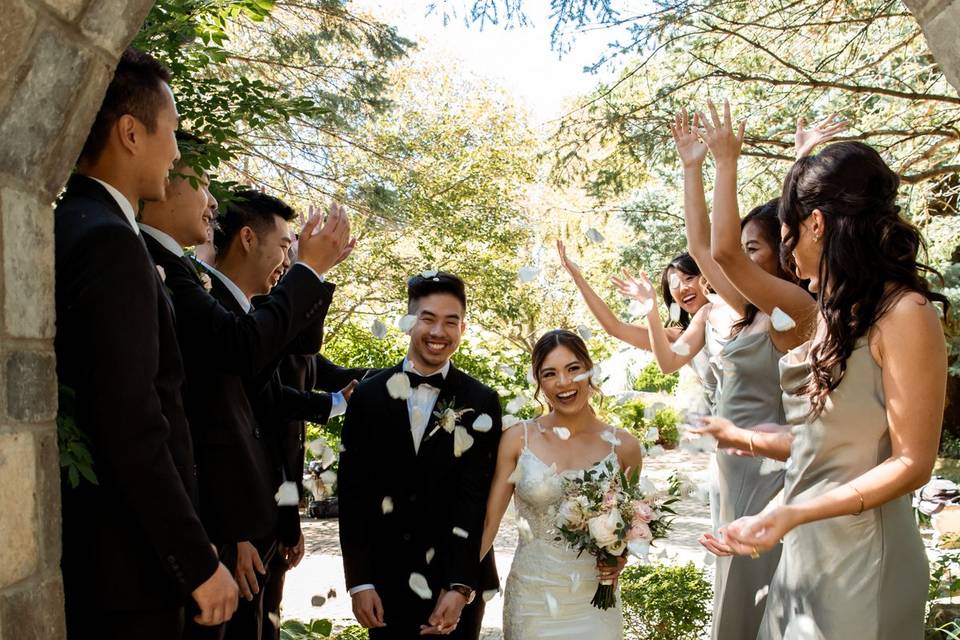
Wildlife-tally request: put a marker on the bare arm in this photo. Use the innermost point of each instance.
(501, 489)
(632, 334)
(910, 348)
(696, 220)
(766, 440)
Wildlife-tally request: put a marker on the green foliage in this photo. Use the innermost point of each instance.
(635, 417)
(949, 445)
(652, 379)
(319, 629)
(75, 458)
(667, 422)
(945, 575)
(664, 601)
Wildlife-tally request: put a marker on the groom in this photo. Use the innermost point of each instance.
(419, 449)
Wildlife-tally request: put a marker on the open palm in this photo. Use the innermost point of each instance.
(689, 146)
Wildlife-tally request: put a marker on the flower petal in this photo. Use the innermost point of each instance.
(519, 402)
(760, 595)
(674, 280)
(428, 274)
(515, 475)
(490, 594)
(378, 329)
(682, 349)
(508, 371)
(674, 312)
(580, 377)
(287, 494)
(528, 274)
(461, 533)
(406, 323)
(462, 440)
(781, 321)
(483, 423)
(584, 331)
(610, 437)
(593, 235)
(509, 421)
(386, 505)
(523, 528)
(430, 554)
(553, 607)
(398, 386)
(418, 584)
(638, 548)
(640, 309)
(562, 432)
(653, 434)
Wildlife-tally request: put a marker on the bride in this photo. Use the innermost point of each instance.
(549, 588)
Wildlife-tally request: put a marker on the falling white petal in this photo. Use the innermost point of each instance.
(553, 607)
(378, 329)
(640, 309)
(802, 627)
(317, 446)
(398, 386)
(430, 554)
(610, 437)
(682, 349)
(341, 448)
(509, 421)
(490, 594)
(529, 274)
(562, 432)
(519, 402)
(674, 280)
(638, 549)
(781, 321)
(596, 375)
(386, 505)
(656, 451)
(531, 380)
(483, 423)
(508, 371)
(674, 312)
(593, 235)
(760, 594)
(580, 377)
(523, 528)
(709, 559)
(462, 440)
(461, 533)
(287, 495)
(428, 274)
(418, 584)
(584, 331)
(646, 486)
(653, 434)
(406, 323)
(770, 466)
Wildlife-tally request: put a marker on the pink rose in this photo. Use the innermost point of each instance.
(642, 513)
(639, 531)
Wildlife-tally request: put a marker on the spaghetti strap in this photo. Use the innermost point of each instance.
(525, 433)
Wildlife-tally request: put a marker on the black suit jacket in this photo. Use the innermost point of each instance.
(431, 490)
(133, 541)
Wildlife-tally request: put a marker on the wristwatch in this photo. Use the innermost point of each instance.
(465, 591)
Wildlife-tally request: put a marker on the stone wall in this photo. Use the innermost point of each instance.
(56, 57)
(940, 20)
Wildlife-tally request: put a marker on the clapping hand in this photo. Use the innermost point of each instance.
(719, 135)
(638, 288)
(808, 139)
(690, 148)
(325, 243)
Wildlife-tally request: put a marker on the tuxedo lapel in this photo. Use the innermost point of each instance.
(161, 285)
(434, 434)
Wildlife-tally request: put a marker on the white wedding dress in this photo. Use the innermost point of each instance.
(549, 588)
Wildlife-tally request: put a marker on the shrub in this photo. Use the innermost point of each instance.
(319, 629)
(664, 601)
(949, 445)
(666, 421)
(653, 380)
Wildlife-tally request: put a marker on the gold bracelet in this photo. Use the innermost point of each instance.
(752, 452)
(859, 495)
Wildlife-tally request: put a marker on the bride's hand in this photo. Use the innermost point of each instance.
(611, 571)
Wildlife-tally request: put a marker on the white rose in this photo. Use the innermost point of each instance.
(572, 514)
(603, 528)
(448, 420)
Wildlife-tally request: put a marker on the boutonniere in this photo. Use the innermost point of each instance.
(162, 273)
(205, 281)
(449, 418)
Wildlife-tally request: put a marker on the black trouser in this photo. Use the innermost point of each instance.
(273, 596)
(109, 624)
(471, 621)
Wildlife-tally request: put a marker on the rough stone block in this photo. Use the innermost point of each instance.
(16, 28)
(941, 33)
(27, 265)
(111, 24)
(32, 127)
(69, 9)
(31, 383)
(924, 10)
(19, 553)
(34, 614)
(48, 499)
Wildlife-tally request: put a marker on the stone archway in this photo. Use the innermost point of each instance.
(57, 58)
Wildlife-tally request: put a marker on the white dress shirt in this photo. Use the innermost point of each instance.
(338, 405)
(125, 205)
(165, 240)
(420, 406)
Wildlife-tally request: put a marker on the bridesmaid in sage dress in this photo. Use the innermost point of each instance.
(865, 396)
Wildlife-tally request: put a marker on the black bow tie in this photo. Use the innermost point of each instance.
(435, 381)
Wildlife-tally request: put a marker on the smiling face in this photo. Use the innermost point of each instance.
(758, 248)
(268, 252)
(688, 293)
(191, 210)
(565, 381)
(436, 335)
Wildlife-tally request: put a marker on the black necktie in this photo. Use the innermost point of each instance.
(435, 381)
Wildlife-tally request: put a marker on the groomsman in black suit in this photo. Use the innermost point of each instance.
(223, 345)
(419, 450)
(134, 549)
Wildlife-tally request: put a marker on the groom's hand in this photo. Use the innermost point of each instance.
(216, 598)
(368, 609)
(446, 614)
(248, 564)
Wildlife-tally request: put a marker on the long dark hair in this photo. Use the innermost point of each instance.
(869, 255)
(550, 341)
(685, 264)
(766, 220)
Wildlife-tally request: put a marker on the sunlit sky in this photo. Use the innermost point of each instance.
(519, 59)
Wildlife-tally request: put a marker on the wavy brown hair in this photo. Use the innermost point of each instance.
(550, 341)
(869, 254)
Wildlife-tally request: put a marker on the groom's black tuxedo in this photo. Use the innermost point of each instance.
(133, 542)
(432, 494)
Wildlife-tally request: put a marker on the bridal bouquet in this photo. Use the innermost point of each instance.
(607, 513)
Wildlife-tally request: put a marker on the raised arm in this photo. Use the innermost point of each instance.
(670, 356)
(696, 220)
(633, 334)
(501, 489)
(765, 290)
